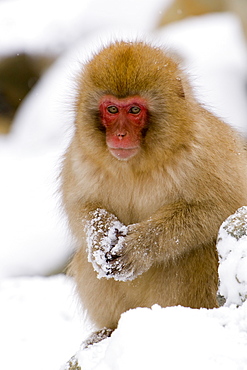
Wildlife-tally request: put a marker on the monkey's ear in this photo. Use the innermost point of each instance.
(180, 88)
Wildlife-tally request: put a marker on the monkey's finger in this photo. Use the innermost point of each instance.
(109, 257)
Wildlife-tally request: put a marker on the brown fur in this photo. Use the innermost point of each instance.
(188, 177)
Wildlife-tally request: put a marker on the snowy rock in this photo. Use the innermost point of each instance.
(236, 224)
(232, 249)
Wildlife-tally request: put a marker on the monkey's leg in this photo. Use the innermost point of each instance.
(96, 337)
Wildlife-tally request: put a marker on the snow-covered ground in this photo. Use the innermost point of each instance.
(173, 338)
(39, 324)
(41, 328)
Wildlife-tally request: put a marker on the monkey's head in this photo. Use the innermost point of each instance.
(130, 100)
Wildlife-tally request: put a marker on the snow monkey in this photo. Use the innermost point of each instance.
(147, 180)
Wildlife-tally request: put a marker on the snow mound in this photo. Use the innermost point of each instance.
(172, 338)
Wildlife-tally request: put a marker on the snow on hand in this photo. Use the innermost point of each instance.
(105, 236)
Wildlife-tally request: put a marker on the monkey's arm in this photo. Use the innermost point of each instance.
(175, 229)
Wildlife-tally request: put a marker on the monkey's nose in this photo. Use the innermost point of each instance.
(121, 135)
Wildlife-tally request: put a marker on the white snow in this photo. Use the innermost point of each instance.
(51, 26)
(40, 327)
(173, 338)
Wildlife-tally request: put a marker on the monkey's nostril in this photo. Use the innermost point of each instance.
(121, 137)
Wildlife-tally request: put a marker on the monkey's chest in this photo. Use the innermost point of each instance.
(133, 202)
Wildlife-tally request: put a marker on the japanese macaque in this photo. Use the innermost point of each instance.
(147, 180)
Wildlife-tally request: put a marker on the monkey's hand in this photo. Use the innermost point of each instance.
(117, 251)
(104, 232)
(132, 256)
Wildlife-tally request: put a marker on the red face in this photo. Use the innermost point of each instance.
(124, 120)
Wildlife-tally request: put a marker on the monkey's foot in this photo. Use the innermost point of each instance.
(96, 337)
(72, 364)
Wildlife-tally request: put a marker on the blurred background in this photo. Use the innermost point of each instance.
(43, 45)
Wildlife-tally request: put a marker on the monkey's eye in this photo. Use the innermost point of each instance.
(112, 109)
(135, 109)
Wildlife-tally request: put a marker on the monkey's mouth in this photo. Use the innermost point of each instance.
(123, 153)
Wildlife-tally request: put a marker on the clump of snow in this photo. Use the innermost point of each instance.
(105, 236)
(232, 250)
